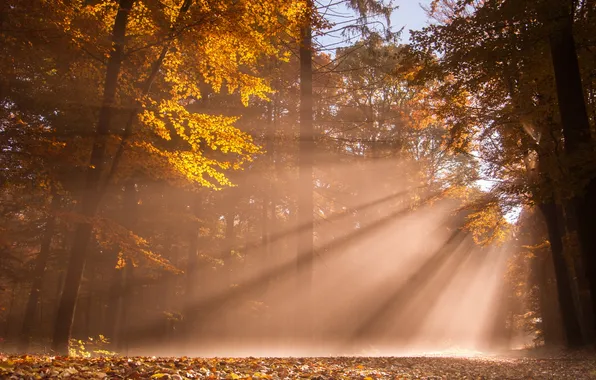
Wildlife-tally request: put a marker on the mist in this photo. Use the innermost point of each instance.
(395, 273)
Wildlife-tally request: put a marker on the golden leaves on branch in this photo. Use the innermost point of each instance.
(488, 225)
(216, 43)
(199, 132)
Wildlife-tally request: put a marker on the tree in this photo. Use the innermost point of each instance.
(305, 245)
(158, 42)
(387, 142)
(64, 317)
(578, 141)
(494, 51)
(41, 263)
(305, 242)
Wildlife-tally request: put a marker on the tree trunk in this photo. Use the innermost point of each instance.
(227, 274)
(88, 308)
(565, 296)
(268, 209)
(122, 341)
(549, 307)
(579, 283)
(9, 312)
(115, 294)
(191, 293)
(90, 201)
(576, 131)
(38, 275)
(265, 243)
(499, 338)
(130, 205)
(120, 287)
(305, 246)
(572, 106)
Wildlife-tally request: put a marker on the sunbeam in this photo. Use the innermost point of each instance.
(297, 189)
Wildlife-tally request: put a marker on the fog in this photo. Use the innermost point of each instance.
(393, 273)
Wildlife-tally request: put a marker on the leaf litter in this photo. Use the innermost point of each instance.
(326, 368)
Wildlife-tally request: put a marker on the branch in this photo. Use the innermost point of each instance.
(145, 90)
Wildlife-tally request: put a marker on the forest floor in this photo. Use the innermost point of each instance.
(577, 365)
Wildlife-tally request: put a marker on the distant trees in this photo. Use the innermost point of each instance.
(148, 62)
(119, 120)
(525, 115)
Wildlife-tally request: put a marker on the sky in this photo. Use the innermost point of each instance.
(409, 15)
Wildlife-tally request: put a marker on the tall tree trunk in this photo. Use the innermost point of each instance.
(565, 296)
(111, 327)
(38, 275)
(305, 246)
(130, 205)
(543, 269)
(576, 130)
(583, 283)
(266, 216)
(9, 312)
(122, 341)
(88, 308)
(267, 209)
(572, 106)
(91, 197)
(499, 336)
(579, 284)
(192, 266)
(227, 272)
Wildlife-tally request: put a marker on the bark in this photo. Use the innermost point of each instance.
(569, 316)
(94, 188)
(115, 293)
(88, 308)
(227, 266)
(551, 321)
(268, 210)
(586, 209)
(190, 310)
(9, 312)
(231, 215)
(90, 201)
(579, 282)
(263, 263)
(59, 285)
(130, 207)
(122, 336)
(572, 106)
(41, 262)
(265, 239)
(576, 131)
(500, 335)
(305, 246)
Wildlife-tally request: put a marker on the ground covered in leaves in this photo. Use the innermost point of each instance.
(363, 368)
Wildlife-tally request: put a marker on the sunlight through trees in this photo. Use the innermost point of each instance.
(273, 178)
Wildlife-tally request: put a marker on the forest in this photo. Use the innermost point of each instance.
(237, 178)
